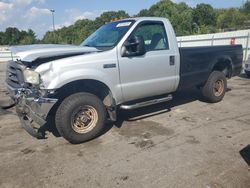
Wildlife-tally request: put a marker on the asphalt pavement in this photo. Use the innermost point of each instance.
(182, 143)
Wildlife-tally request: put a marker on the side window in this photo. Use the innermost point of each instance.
(154, 35)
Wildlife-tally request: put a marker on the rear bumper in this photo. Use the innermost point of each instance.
(31, 107)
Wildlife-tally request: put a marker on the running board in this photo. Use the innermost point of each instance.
(146, 103)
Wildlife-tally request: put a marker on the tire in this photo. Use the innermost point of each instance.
(80, 117)
(215, 88)
(248, 74)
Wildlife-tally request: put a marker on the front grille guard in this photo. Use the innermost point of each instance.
(14, 74)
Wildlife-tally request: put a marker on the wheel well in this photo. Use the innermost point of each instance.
(225, 66)
(95, 87)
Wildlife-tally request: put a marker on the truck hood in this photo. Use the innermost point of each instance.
(31, 53)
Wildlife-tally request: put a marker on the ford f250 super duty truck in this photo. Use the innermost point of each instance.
(126, 64)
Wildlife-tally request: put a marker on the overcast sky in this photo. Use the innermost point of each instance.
(35, 14)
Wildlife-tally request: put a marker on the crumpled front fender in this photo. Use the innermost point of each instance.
(31, 108)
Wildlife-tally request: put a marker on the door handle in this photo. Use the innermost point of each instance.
(108, 66)
(172, 60)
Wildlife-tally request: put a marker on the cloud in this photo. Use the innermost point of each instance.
(41, 1)
(4, 5)
(24, 14)
(74, 14)
(33, 14)
(4, 9)
(22, 2)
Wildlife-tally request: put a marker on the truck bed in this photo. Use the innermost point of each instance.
(196, 63)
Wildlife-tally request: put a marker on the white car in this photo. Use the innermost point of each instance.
(247, 67)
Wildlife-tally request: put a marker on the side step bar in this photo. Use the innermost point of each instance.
(146, 103)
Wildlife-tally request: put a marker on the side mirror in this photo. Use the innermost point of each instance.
(135, 46)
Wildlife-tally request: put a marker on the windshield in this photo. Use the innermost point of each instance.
(107, 36)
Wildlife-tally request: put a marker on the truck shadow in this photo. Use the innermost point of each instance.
(180, 98)
(244, 76)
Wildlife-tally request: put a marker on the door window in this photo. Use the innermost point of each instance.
(154, 35)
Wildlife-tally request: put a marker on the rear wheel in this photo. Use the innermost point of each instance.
(215, 88)
(248, 74)
(80, 117)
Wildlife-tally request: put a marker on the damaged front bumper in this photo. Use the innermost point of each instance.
(32, 108)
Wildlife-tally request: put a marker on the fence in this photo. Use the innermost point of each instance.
(227, 38)
(235, 37)
(5, 54)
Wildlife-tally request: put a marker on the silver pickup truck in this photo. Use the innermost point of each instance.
(126, 64)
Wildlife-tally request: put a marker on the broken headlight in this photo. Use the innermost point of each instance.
(31, 77)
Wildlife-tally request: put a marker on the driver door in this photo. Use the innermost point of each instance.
(151, 74)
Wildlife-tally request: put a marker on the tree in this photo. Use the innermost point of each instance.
(204, 14)
(144, 13)
(107, 17)
(27, 40)
(180, 15)
(246, 8)
(81, 29)
(2, 36)
(186, 20)
(12, 36)
(231, 19)
(28, 37)
(164, 8)
(49, 38)
(183, 20)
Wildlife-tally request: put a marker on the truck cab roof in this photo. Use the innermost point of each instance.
(145, 19)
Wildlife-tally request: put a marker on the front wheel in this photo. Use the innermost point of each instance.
(80, 117)
(215, 88)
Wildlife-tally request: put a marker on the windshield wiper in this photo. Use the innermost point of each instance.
(87, 45)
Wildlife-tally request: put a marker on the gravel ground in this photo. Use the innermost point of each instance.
(183, 143)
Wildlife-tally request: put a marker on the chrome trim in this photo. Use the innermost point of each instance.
(147, 103)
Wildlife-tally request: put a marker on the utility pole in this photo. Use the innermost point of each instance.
(53, 18)
(53, 22)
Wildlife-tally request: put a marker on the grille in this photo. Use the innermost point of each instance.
(14, 75)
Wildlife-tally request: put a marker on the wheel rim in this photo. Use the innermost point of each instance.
(84, 119)
(218, 88)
